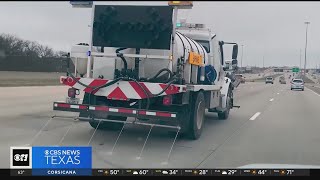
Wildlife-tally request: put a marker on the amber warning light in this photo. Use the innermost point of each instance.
(180, 3)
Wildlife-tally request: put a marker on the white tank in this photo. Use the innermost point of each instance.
(79, 57)
(182, 48)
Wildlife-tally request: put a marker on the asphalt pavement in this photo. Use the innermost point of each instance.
(273, 125)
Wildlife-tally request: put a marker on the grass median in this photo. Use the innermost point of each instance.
(15, 79)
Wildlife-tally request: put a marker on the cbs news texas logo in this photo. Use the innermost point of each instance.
(50, 157)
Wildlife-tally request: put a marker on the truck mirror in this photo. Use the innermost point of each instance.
(234, 62)
(235, 51)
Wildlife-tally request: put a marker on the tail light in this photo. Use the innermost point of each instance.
(167, 100)
(72, 92)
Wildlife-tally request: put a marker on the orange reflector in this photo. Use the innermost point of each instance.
(195, 58)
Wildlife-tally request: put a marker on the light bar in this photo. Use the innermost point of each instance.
(81, 4)
(190, 25)
(181, 4)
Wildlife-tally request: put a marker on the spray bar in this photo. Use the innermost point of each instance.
(131, 122)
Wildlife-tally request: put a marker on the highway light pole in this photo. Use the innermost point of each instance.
(263, 61)
(241, 54)
(305, 50)
(300, 59)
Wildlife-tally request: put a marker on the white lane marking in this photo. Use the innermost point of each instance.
(313, 92)
(271, 99)
(278, 93)
(255, 116)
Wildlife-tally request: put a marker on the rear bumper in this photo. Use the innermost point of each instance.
(115, 111)
(297, 87)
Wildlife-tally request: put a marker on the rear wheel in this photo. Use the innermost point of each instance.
(196, 118)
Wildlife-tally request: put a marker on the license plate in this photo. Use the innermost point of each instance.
(72, 100)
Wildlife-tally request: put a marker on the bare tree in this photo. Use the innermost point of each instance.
(14, 46)
(59, 54)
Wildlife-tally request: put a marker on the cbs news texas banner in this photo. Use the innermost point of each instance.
(53, 160)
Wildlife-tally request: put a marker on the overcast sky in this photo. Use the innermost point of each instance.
(273, 29)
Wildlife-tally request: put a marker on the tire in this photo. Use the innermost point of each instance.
(225, 114)
(197, 112)
(291, 89)
(302, 89)
(106, 125)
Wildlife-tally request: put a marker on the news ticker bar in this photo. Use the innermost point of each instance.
(160, 172)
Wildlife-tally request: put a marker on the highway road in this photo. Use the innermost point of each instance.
(273, 125)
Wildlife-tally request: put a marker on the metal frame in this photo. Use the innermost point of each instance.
(89, 75)
(143, 56)
(204, 87)
(89, 108)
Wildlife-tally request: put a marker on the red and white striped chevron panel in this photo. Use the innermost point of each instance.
(122, 90)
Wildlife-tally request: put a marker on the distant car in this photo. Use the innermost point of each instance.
(269, 80)
(242, 79)
(297, 84)
(282, 80)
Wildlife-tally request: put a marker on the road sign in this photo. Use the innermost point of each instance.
(295, 69)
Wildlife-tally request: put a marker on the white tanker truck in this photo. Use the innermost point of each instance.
(140, 64)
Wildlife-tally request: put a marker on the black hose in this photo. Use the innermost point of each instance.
(184, 48)
(120, 49)
(145, 92)
(162, 70)
(124, 61)
(102, 86)
(168, 85)
(195, 45)
(187, 40)
(122, 58)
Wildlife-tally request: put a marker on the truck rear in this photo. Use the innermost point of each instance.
(139, 64)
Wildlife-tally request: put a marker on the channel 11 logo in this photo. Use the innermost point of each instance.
(20, 157)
